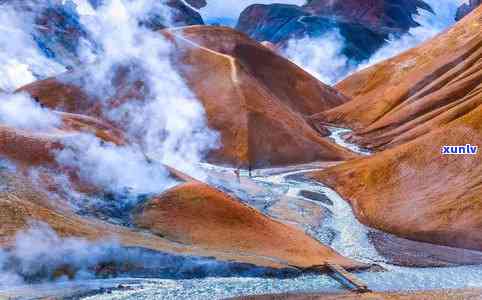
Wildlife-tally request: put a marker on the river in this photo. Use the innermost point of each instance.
(350, 239)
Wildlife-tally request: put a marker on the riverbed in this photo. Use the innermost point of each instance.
(341, 231)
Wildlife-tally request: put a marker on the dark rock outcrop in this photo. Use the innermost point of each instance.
(181, 15)
(466, 8)
(365, 25)
(197, 3)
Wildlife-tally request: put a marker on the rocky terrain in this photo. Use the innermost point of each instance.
(444, 295)
(226, 61)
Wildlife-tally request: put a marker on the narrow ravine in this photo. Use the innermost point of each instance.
(338, 136)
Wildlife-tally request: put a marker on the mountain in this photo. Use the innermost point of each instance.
(58, 30)
(415, 104)
(260, 113)
(197, 3)
(262, 117)
(364, 25)
(414, 93)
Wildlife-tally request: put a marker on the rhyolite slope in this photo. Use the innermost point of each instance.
(413, 190)
(260, 113)
(196, 214)
(416, 92)
(183, 231)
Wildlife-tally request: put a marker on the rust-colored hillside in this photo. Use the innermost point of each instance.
(416, 103)
(416, 92)
(196, 214)
(254, 98)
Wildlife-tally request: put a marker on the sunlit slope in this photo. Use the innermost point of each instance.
(258, 109)
(196, 214)
(416, 92)
(412, 189)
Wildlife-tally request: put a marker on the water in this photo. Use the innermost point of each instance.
(350, 239)
(337, 135)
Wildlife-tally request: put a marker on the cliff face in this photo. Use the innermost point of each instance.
(415, 104)
(259, 112)
(365, 25)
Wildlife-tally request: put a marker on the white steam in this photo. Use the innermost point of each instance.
(323, 57)
(431, 25)
(21, 62)
(21, 111)
(114, 168)
(39, 253)
(168, 126)
(167, 123)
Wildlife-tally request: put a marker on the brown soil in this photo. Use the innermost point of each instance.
(196, 214)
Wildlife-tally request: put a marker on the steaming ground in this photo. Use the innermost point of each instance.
(40, 255)
(169, 126)
(350, 237)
